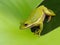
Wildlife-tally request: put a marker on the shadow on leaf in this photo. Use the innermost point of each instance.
(55, 21)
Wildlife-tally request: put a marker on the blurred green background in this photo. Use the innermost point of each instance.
(13, 12)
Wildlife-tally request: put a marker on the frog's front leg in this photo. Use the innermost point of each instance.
(39, 30)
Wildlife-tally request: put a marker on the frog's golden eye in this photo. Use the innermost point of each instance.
(25, 24)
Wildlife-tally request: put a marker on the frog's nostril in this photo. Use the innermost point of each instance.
(25, 24)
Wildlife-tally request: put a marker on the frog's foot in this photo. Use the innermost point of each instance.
(35, 29)
(37, 33)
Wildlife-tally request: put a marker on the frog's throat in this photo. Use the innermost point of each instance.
(41, 18)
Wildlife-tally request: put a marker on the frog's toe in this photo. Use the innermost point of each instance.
(49, 19)
(37, 33)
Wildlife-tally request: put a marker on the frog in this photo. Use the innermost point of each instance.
(36, 19)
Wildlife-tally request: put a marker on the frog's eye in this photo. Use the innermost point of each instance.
(25, 24)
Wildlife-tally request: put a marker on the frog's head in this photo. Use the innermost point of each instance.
(32, 25)
(26, 24)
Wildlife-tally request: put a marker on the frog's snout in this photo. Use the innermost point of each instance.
(23, 26)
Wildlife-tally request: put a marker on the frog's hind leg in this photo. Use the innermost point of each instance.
(49, 13)
(49, 18)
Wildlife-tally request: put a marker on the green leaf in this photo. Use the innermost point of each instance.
(12, 12)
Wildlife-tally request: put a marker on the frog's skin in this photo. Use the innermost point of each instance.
(36, 19)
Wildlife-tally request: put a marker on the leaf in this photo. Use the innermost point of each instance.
(12, 12)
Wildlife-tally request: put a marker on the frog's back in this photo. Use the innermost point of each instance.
(36, 14)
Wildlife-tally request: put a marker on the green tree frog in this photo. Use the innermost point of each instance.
(36, 19)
